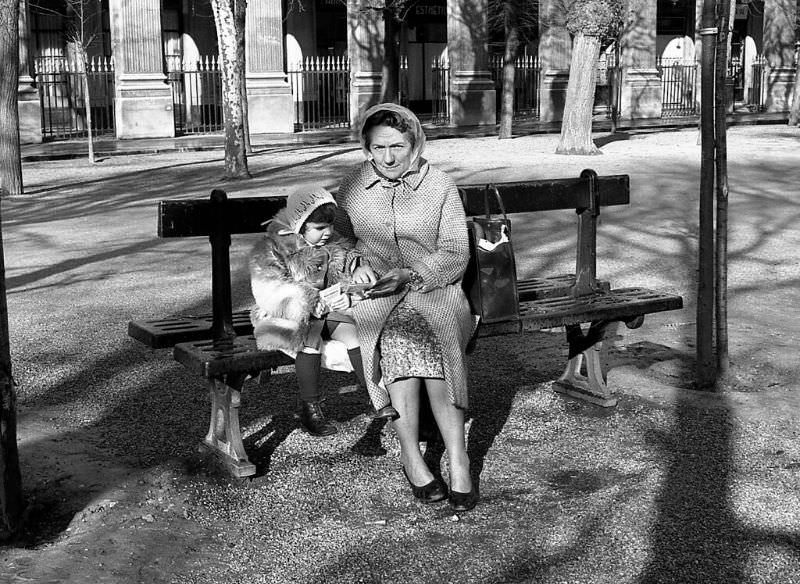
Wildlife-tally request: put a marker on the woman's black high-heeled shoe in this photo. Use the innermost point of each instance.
(434, 491)
(463, 501)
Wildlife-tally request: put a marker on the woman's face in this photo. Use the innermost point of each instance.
(391, 150)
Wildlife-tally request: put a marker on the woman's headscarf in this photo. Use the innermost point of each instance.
(415, 127)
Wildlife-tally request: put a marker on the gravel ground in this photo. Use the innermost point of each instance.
(672, 485)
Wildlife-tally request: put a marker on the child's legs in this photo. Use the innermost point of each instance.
(307, 363)
(346, 333)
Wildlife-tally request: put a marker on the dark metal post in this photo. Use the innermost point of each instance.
(586, 260)
(220, 238)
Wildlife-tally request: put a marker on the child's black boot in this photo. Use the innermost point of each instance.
(312, 418)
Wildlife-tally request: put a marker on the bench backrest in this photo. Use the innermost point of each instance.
(201, 217)
(219, 217)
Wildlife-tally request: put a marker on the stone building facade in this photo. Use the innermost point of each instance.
(139, 33)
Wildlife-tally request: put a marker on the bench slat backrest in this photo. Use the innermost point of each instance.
(549, 195)
(220, 217)
(198, 217)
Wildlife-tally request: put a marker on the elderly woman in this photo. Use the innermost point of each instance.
(407, 223)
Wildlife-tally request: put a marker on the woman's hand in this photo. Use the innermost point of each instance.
(391, 282)
(363, 275)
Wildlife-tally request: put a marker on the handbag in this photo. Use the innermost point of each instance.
(490, 281)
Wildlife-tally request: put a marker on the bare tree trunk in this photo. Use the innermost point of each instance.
(390, 83)
(615, 87)
(721, 141)
(509, 69)
(11, 499)
(794, 110)
(87, 102)
(576, 127)
(10, 158)
(240, 13)
(706, 371)
(235, 153)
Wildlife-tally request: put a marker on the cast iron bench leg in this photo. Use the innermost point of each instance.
(584, 349)
(224, 435)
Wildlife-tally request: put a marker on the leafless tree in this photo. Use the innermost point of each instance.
(84, 14)
(794, 108)
(394, 14)
(82, 20)
(519, 21)
(10, 160)
(228, 37)
(725, 12)
(590, 22)
(240, 14)
(11, 499)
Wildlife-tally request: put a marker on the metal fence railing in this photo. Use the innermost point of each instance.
(196, 94)
(678, 87)
(321, 92)
(62, 96)
(754, 91)
(526, 85)
(440, 89)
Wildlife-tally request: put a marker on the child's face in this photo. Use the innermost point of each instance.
(317, 233)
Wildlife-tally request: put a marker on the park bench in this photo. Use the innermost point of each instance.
(220, 348)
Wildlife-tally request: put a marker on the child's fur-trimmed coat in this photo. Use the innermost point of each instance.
(286, 274)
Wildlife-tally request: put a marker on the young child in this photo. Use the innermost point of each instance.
(299, 256)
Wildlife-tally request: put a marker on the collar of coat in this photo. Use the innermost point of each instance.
(412, 177)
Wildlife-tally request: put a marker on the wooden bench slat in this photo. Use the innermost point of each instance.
(196, 217)
(549, 195)
(166, 332)
(622, 304)
(208, 359)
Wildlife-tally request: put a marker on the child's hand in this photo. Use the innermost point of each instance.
(364, 275)
(342, 302)
(319, 309)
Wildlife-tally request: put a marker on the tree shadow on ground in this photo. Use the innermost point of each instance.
(491, 396)
(615, 137)
(697, 535)
(125, 190)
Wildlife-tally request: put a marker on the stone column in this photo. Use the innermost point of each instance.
(779, 39)
(555, 52)
(269, 97)
(471, 96)
(641, 84)
(142, 97)
(365, 51)
(28, 104)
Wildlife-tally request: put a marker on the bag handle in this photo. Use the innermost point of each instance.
(497, 197)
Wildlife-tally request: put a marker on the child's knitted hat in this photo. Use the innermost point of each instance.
(301, 203)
